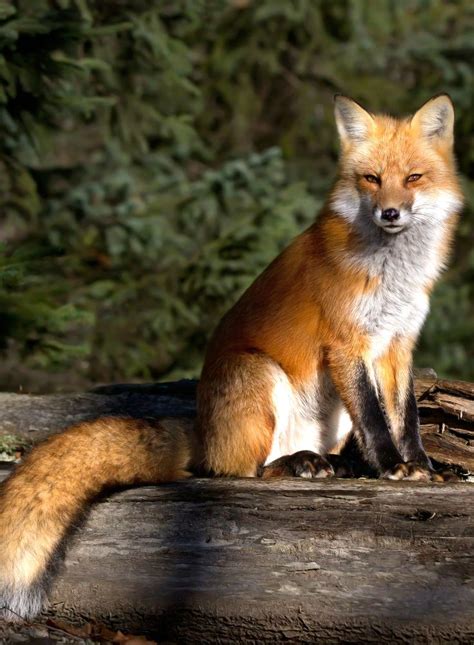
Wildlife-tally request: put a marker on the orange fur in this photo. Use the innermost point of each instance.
(240, 395)
(393, 371)
(299, 305)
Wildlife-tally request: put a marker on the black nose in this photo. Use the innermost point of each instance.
(390, 214)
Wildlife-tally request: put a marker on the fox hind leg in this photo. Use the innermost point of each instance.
(236, 415)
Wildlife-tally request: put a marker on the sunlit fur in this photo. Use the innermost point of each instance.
(281, 371)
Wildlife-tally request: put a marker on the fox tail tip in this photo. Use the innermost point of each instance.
(20, 603)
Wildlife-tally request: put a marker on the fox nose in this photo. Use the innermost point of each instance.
(390, 214)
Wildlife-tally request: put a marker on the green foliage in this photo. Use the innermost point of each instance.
(156, 155)
(32, 323)
(175, 259)
(10, 444)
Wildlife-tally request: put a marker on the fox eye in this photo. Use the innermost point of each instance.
(413, 177)
(372, 179)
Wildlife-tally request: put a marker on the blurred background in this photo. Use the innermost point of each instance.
(155, 155)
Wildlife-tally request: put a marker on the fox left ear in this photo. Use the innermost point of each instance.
(353, 122)
(435, 119)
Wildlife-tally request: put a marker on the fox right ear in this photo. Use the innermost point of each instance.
(435, 119)
(354, 124)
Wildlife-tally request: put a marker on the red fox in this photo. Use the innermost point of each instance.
(319, 347)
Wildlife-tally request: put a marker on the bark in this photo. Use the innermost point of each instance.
(35, 417)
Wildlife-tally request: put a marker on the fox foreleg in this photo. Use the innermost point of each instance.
(364, 400)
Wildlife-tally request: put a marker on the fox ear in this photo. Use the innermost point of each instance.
(354, 124)
(435, 119)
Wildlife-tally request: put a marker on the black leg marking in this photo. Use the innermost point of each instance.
(353, 455)
(342, 466)
(371, 425)
(409, 443)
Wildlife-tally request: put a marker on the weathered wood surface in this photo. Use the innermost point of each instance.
(446, 412)
(207, 561)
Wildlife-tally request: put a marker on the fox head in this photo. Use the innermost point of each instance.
(396, 173)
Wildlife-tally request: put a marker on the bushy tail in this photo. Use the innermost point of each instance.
(45, 495)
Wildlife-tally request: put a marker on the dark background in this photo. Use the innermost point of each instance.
(155, 156)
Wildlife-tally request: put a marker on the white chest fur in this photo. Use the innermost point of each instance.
(312, 418)
(404, 265)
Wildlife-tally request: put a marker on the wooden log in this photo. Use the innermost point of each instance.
(206, 561)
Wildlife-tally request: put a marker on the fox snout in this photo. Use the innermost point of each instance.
(390, 214)
(392, 205)
(391, 219)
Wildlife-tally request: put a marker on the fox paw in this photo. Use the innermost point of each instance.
(413, 471)
(301, 464)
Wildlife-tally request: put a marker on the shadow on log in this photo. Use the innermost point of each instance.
(207, 561)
